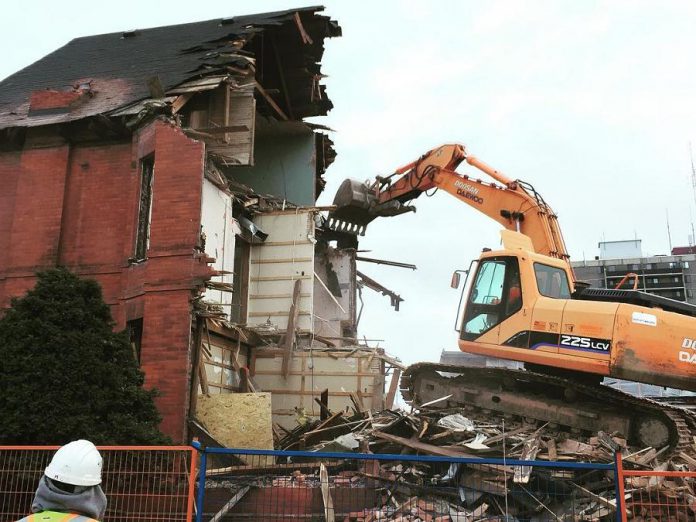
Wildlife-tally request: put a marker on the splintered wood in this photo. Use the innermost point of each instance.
(370, 490)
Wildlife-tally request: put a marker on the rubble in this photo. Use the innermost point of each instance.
(442, 491)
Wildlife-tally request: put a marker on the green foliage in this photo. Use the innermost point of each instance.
(64, 374)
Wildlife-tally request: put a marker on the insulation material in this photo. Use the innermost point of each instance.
(285, 256)
(311, 372)
(238, 420)
(216, 225)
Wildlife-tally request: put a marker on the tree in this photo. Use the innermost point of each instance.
(65, 374)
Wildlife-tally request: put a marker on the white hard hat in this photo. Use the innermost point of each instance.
(78, 463)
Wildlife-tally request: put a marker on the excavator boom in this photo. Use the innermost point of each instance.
(512, 203)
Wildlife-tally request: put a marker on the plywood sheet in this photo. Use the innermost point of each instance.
(238, 420)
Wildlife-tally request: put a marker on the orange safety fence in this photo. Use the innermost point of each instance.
(657, 495)
(140, 482)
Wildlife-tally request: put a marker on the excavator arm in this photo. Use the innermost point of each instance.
(512, 203)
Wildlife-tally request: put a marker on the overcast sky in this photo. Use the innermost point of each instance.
(594, 103)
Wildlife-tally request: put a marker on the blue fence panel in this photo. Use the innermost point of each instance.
(269, 486)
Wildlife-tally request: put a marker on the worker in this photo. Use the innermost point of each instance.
(69, 489)
(514, 296)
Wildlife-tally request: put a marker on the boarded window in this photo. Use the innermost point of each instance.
(142, 238)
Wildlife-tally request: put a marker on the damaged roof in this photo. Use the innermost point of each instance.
(97, 74)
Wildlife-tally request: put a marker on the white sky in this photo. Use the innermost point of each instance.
(592, 102)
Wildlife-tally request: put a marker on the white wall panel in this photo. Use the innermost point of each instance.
(286, 255)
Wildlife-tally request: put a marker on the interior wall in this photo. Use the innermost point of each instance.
(286, 256)
(284, 166)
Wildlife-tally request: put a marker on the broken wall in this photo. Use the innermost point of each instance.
(83, 214)
(335, 294)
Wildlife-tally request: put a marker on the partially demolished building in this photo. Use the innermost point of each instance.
(173, 165)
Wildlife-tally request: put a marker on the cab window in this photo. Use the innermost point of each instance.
(552, 281)
(495, 295)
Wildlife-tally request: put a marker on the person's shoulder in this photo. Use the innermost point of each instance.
(55, 516)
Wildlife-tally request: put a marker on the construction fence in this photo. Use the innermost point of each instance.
(271, 486)
(140, 482)
(183, 483)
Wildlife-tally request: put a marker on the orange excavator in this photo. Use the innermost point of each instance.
(523, 303)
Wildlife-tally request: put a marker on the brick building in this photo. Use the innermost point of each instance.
(123, 157)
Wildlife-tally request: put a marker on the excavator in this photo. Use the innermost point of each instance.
(523, 303)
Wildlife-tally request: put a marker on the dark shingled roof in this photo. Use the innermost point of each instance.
(118, 65)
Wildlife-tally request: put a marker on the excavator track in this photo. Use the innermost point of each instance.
(559, 401)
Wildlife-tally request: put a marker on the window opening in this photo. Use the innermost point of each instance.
(552, 281)
(142, 239)
(134, 327)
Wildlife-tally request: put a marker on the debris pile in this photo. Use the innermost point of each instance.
(401, 489)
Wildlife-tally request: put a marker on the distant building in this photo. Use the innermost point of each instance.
(680, 251)
(619, 249)
(667, 276)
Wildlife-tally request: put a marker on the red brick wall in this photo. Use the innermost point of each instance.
(9, 174)
(77, 206)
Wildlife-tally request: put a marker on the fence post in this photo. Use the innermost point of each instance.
(619, 485)
(192, 482)
(201, 480)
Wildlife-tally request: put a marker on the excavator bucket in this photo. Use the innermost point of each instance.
(354, 208)
(357, 205)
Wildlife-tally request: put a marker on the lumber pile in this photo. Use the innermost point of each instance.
(401, 490)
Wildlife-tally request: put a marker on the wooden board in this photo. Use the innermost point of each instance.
(238, 420)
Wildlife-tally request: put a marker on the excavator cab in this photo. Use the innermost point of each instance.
(509, 296)
(495, 295)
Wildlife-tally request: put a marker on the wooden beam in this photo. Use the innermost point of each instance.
(329, 514)
(203, 377)
(245, 384)
(197, 342)
(328, 292)
(223, 129)
(436, 450)
(289, 339)
(181, 101)
(270, 101)
(324, 405)
(230, 504)
(281, 75)
(393, 386)
(356, 399)
(306, 39)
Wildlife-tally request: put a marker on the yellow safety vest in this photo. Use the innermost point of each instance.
(55, 516)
